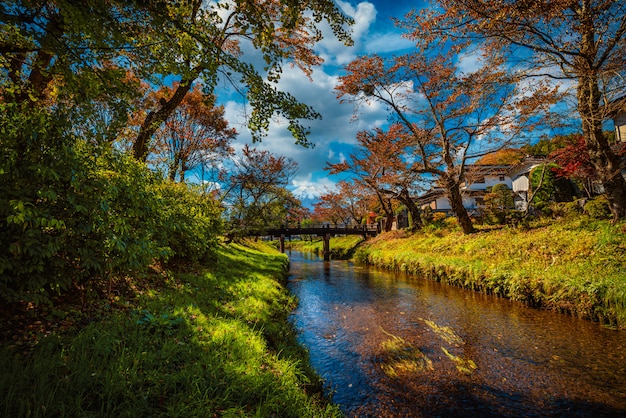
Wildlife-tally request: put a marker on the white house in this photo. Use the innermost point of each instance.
(520, 180)
(478, 178)
(619, 120)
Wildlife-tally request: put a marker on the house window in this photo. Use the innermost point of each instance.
(501, 178)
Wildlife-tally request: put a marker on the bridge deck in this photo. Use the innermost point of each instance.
(287, 231)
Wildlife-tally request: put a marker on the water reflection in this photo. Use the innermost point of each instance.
(390, 345)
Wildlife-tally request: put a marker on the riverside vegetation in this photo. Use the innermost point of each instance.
(214, 341)
(574, 265)
(119, 298)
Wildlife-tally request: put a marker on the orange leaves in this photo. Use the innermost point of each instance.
(362, 75)
(194, 134)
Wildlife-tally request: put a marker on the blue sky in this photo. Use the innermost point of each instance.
(335, 133)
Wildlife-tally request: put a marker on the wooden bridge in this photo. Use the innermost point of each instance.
(324, 231)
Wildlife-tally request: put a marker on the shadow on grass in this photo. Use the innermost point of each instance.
(212, 343)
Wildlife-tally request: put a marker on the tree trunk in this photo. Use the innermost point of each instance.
(172, 171)
(456, 201)
(605, 161)
(385, 204)
(155, 119)
(416, 218)
(41, 73)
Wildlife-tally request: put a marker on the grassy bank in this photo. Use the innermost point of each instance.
(576, 266)
(212, 342)
(341, 248)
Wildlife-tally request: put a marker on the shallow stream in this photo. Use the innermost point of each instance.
(390, 345)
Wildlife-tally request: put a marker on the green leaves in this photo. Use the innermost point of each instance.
(75, 213)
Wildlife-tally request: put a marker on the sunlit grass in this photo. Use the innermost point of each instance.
(215, 342)
(340, 247)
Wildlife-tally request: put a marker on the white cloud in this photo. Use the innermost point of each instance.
(386, 43)
(307, 187)
(334, 52)
(364, 15)
(470, 62)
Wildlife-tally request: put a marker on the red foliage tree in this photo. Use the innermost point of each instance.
(574, 163)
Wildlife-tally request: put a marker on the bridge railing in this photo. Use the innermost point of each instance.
(329, 225)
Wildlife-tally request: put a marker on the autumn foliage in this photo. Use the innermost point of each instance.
(581, 42)
(196, 133)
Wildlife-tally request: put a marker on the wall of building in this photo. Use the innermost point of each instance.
(520, 184)
(620, 126)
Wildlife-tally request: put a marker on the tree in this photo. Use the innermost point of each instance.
(450, 116)
(547, 145)
(349, 204)
(213, 35)
(64, 49)
(507, 156)
(583, 41)
(542, 186)
(574, 163)
(356, 200)
(330, 208)
(380, 164)
(195, 134)
(498, 201)
(255, 196)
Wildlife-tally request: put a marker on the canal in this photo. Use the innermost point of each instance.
(391, 345)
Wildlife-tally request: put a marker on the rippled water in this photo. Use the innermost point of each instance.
(392, 345)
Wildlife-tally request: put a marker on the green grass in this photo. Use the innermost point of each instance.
(215, 342)
(341, 248)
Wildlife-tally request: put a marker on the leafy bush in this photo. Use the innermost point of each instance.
(566, 209)
(598, 208)
(542, 180)
(498, 202)
(73, 212)
(189, 223)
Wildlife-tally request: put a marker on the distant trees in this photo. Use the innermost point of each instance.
(255, 196)
(350, 204)
(380, 164)
(506, 156)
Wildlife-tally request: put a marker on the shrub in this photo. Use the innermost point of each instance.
(498, 202)
(542, 180)
(598, 208)
(568, 209)
(73, 213)
(189, 223)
